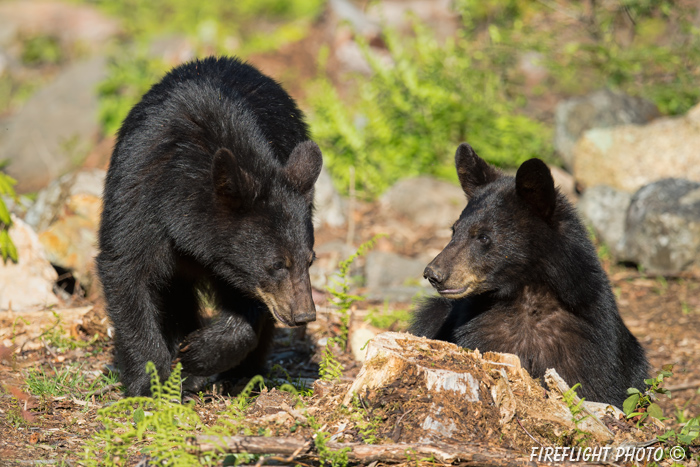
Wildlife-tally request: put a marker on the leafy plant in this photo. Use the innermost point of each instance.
(329, 368)
(341, 291)
(7, 248)
(68, 380)
(641, 404)
(366, 423)
(157, 425)
(415, 108)
(327, 456)
(579, 437)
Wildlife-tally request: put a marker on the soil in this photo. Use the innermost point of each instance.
(664, 314)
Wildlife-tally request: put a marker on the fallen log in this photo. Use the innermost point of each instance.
(295, 448)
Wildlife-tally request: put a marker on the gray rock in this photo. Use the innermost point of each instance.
(605, 208)
(395, 277)
(601, 109)
(28, 284)
(631, 156)
(330, 208)
(56, 127)
(425, 201)
(662, 229)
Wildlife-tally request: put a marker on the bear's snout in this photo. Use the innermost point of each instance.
(434, 275)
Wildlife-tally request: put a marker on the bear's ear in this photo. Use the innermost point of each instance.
(304, 166)
(472, 170)
(232, 184)
(535, 185)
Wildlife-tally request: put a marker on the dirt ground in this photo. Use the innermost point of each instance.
(46, 429)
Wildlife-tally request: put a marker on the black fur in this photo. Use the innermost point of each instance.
(521, 276)
(209, 191)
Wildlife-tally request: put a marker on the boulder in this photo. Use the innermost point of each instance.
(662, 228)
(605, 209)
(631, 156)
(389, 276)
(601, 109)
(425, 201)
(56, 127)
(28, 284)
(67, 216)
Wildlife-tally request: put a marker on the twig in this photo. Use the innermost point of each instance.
(682, 386)
(527, 432)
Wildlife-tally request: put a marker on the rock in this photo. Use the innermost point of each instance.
(662, 228)
(460, 389)
(601, 109)
(55, 128)
(425, 201)
(359, 337)
(631, 156)
(389, 276)
(67, 216)
(329, 207)
(605, 208)
(71, 24)
(29, 283)
(328, 257)
(565, 182)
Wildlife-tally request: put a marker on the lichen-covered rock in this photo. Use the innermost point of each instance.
(600, 109)
(662, 228)
(28, 284)
(631, 156)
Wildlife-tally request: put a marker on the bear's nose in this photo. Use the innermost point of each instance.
(435, 277)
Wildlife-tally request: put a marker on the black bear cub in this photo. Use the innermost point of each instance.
(521, 276)
(209, 194)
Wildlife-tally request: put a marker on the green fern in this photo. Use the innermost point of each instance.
(329, 368)
(341, 291)
(7, 248)
(157, 427)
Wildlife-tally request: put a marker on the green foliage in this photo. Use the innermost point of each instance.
(56, 337)
(579, 437)
(394, 319)
(367, 424)
(157, 426)
(327, 456)
(641, 404)
(341, 291)
(643, 47)
(7, 248)
(130, 76)
(42, 50)
(69, 380)
(329, 368)
(414, 110)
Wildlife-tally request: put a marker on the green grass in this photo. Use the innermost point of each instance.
(66, 380)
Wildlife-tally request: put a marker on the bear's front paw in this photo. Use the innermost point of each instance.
(215, 349)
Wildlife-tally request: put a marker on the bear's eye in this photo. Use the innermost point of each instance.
(484, 239)
(279, 264)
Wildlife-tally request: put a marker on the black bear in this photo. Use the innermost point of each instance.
(521, 276)
(209, 193)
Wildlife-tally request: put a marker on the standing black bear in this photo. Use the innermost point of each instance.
(521, 276)
(209, 192)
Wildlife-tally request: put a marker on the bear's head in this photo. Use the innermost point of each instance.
(265, 232)
(503, 232)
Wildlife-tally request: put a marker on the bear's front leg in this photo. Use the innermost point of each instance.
(221, 345)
